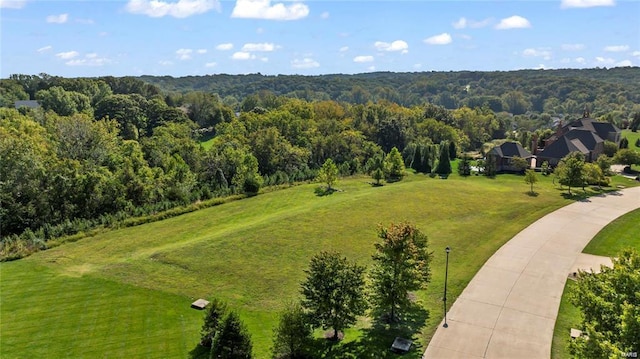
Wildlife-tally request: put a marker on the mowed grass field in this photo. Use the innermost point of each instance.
(126, 293)
(622, 233)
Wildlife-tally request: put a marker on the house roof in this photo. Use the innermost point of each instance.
(562, 147)
(603, 129)
(510, 149)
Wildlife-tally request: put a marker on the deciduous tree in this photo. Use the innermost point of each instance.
(401, 264)
(328, 174)
(292, 336)
(530, 178)
(610, 307)
(333, 292)
(570, 170)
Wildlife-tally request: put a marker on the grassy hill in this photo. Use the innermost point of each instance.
(126, 293)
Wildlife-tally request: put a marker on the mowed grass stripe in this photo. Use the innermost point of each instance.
(252, 253)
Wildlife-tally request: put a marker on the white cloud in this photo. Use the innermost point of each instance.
(363, 59)
(12, 4)
(57, 19)
(179, 9)
(540, 67)
(566, 4)
(463, 23)
(344, 49)
(264, 59)
(572, 47)
(184, 54)
(624, 63)
(202, 51)
(441, 39)
(45, 48)
(580, 60)
(371, 68)
(616, 48)
(540, 52)
(398, 45)
(636, 54)
(165, 63)
(460, 24)
(262, 9)
(605, 60)
(94, 61)
(259, 31)
(210, 64)
(265, 47)
(306, 63)
(324, 15)
(513, 22)
(67, 55)
(224, 47)
(417, 66)
(241, 55)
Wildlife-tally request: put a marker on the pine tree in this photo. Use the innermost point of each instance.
(394, 165)
(232, 340)
(444, 163)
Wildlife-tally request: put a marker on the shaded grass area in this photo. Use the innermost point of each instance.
(624, 232)
(252, 253)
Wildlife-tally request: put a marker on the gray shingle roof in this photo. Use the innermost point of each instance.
(510, 149)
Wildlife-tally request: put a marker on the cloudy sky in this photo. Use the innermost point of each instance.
(198, 37)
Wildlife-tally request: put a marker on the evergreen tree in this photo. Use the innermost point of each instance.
(394, 165)
(232, 340)
(464, 167)
(453, 154)
(624, 143)
(444, 163)
(212, 320)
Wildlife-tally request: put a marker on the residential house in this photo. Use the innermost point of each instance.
(585, 135)
(505, 153)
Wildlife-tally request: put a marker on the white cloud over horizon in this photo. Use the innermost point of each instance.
(67, 55)
(545, 53)
(243, 55)
(513, 22)
(57, 19)
(305, 63)
(568, 4)
(262, 47)
(184, 54)
(363, 58)
(180, 9)
(464, 23)
(44, 49)
(398, 45)
(441, 39)
(263, 9)
(224, 47)
(616, 48)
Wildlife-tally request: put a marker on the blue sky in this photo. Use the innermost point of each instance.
(198, 37)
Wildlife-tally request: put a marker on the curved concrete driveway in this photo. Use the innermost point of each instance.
(509, 308)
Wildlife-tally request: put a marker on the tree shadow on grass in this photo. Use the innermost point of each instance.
(324, 191)
(532, 194)
(200, 352)
(375, 342)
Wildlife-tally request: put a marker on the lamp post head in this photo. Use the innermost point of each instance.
(447, 249)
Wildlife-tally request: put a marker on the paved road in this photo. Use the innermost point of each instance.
(509, 308)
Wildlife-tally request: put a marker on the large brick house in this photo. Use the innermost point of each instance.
(585, 135)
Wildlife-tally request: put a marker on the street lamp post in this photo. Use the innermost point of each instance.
(444, 299)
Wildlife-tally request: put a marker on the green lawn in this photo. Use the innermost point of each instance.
(126, 293)
(622, 233)
(632, 137)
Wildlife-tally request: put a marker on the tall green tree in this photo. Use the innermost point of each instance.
(570, 170)
(328, 174)
(627, 156)
(212, 321)
(333, 292)
(444, 162)
(464, 167)
(401, 264)
(292, 335)
(232, 341)
(610, 307)
(394, 165)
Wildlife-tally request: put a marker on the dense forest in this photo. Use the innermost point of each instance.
(96, 150)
